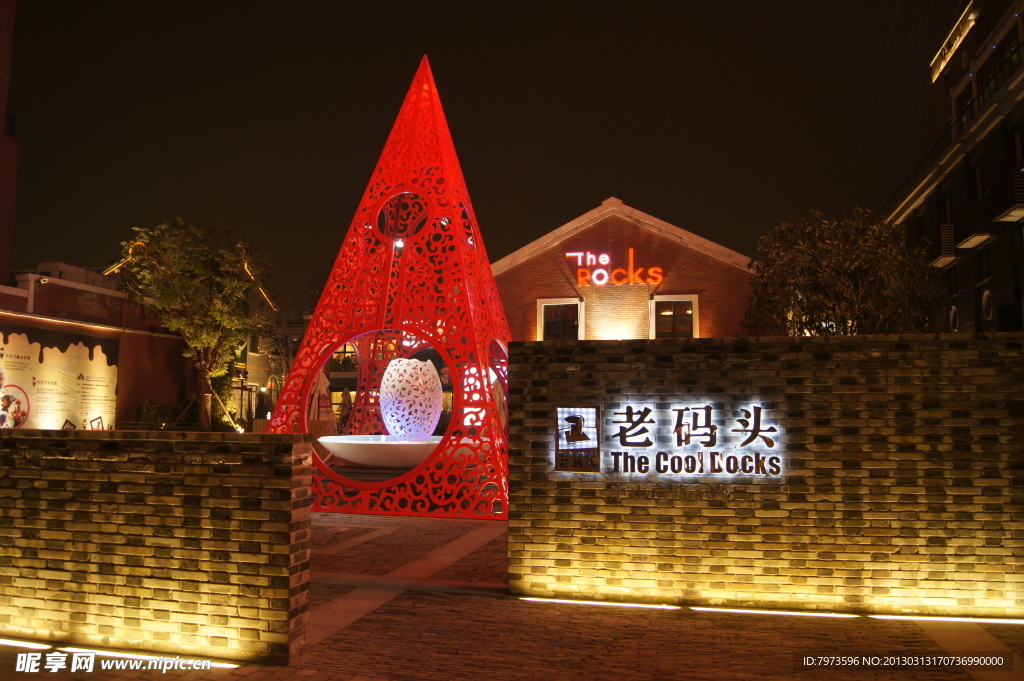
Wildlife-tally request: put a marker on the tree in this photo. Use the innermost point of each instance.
(855, 275)
(201, 283)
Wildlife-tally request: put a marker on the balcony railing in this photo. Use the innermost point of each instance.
(1006, 66)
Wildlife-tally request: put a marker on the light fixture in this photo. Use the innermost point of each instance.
(974, 240)
(793, 613)
(927, 618)
(648, 606)
(24, 644)
(399, 243)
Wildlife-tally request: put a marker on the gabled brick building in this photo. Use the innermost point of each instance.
(618, 273)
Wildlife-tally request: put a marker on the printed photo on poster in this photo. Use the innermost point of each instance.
(55, 380)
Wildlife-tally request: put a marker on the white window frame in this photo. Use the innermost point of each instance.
(580, 329)
(684, 298)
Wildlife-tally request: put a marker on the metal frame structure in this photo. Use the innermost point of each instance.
(412, 274)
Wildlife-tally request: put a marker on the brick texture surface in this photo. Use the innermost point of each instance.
(442, 627)
(182, 543)
(722, 289)
(902, 484)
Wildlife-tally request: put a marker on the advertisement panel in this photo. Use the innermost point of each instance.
(55, 380)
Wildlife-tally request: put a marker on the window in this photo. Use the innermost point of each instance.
(980, 184)
(674, 317)
(982, 265)
(964, 107)
(343, 360)
(560, 319)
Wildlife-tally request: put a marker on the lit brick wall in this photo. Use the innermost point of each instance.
(902, 485)
(179, 543)
(722, 289)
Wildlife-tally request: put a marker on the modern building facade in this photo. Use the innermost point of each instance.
(617, 273)
(966, 197)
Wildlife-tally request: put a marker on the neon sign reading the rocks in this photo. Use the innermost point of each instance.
(593, 269)
(668, 440)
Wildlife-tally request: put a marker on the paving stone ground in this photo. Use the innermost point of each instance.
(411, 599)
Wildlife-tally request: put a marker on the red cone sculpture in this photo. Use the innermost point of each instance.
(412, 280)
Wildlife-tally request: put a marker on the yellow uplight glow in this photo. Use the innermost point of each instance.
(137, 656)
(614, 331)
(793, 613)
(926, 618)
(23, 644)
(605, 603)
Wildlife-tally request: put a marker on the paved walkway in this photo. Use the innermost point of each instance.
(410, 599)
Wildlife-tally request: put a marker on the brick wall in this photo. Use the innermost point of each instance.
(901, 489)
(65, 301)
(179, 543)
(151, 367)
(12, 299)
(722, 289)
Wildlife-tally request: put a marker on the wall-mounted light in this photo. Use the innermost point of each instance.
(927, 618)
(794, 613)
(648, 606)
(24, 644)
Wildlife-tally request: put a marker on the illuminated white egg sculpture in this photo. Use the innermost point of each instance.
(410, 399)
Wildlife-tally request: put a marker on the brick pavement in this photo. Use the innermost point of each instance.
(411, 599)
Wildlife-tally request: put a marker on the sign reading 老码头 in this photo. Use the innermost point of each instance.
(673, 440)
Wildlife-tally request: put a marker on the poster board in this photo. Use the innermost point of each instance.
(55, 380)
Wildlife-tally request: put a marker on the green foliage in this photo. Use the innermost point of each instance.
(201, 282)
(855, 275)
(154, 415)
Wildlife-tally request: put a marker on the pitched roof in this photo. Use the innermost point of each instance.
(612, 207)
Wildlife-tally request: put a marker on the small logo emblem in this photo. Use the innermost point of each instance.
(577, 445)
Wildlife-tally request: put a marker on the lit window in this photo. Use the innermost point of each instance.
(674, 317)
(559, 319)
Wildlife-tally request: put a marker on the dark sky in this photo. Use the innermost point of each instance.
(723, 118)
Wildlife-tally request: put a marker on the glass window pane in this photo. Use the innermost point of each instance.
(561, 322)
(673, 319)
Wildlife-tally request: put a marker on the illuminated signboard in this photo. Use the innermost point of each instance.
(55, 380)
(578, 444)
(596, 269)
(675, 440)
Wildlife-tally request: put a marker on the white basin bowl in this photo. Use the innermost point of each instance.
(376, 451)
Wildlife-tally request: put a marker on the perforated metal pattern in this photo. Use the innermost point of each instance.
(411, 274)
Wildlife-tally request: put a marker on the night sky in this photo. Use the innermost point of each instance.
(723, 118)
